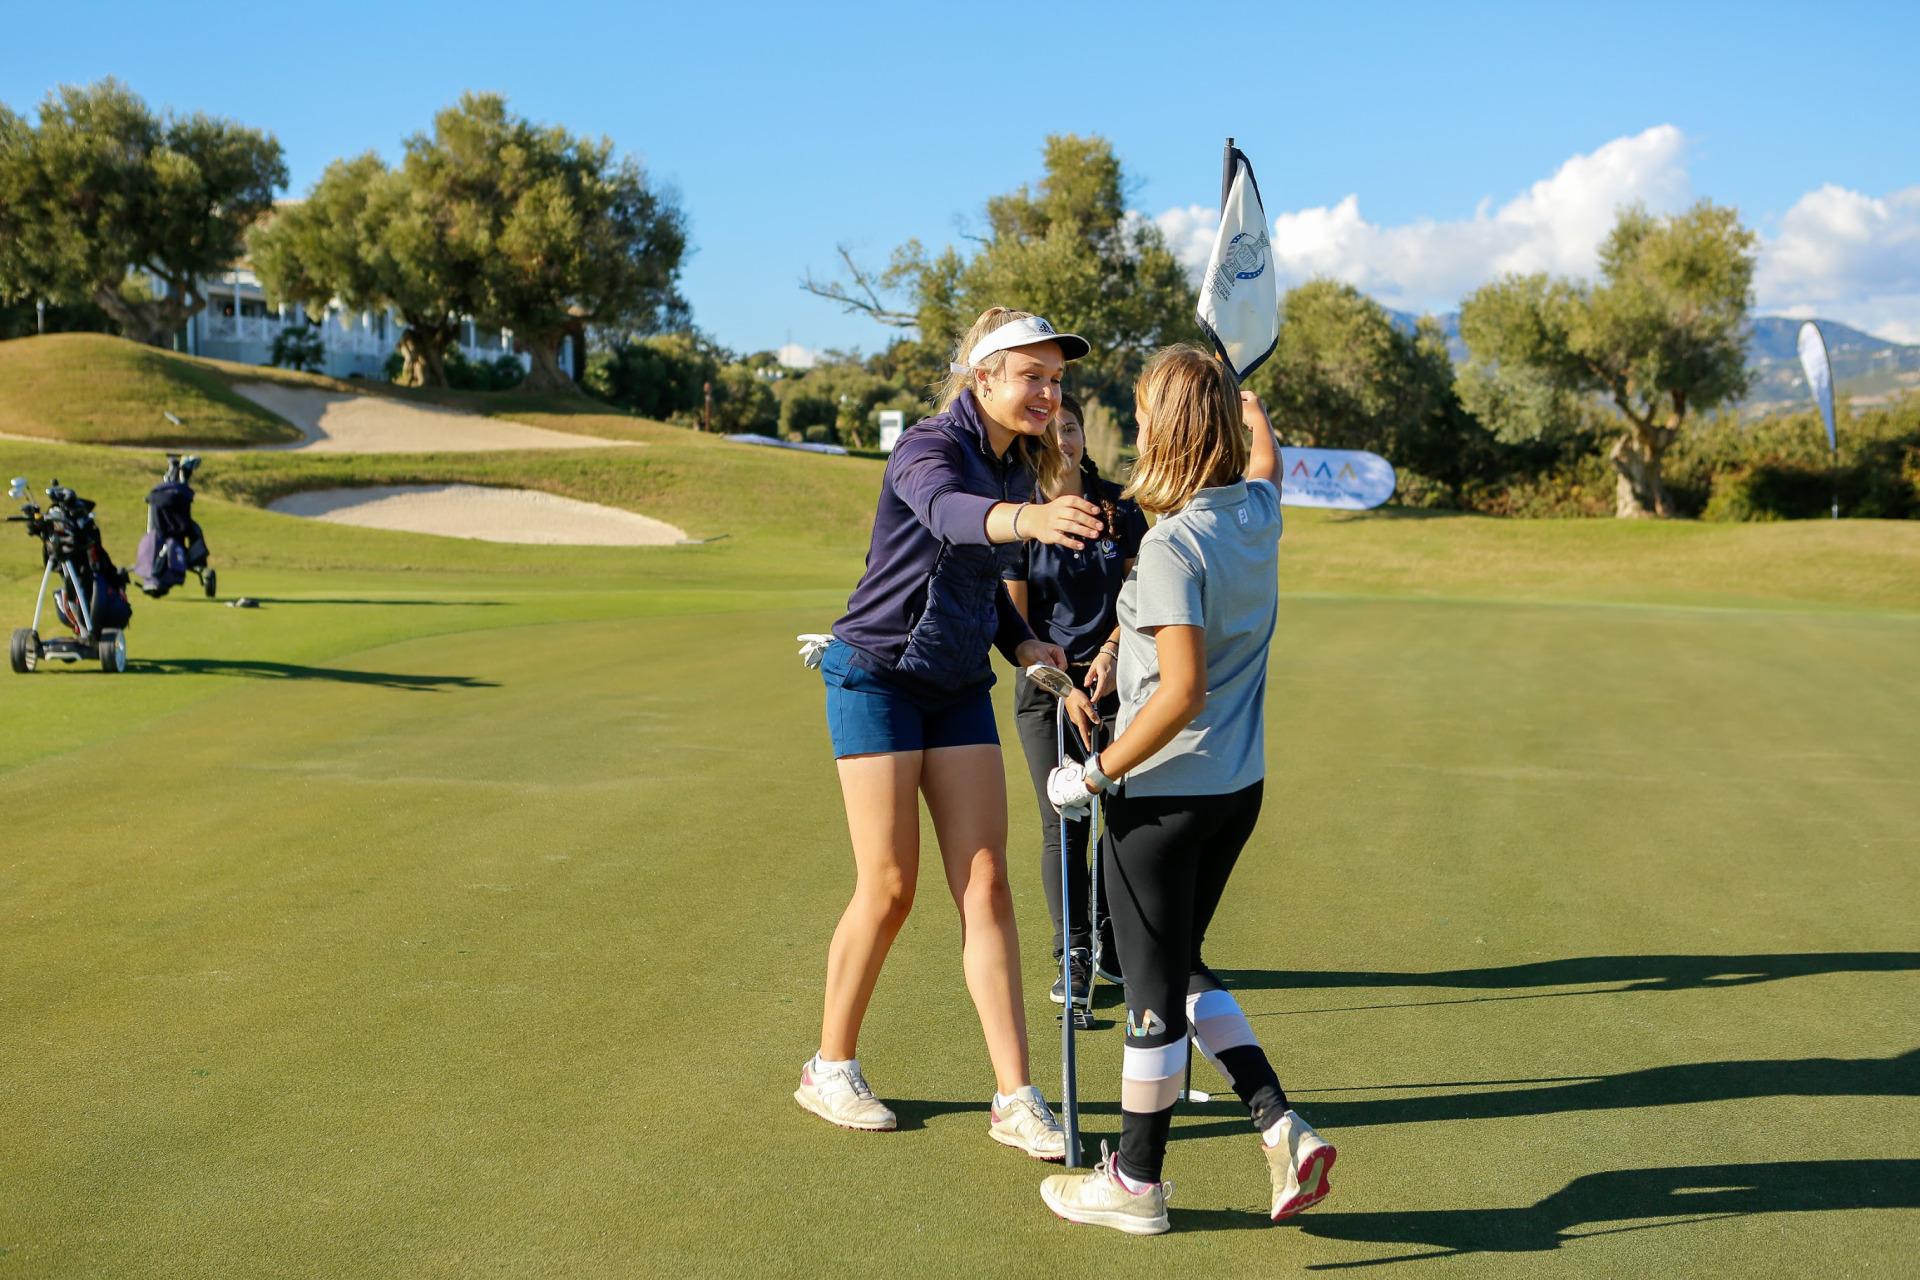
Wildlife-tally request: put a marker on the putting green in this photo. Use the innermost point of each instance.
(463, 910)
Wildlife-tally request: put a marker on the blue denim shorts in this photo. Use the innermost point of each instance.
(868, 715)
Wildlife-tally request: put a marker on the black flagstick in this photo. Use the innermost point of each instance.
(1226, 176)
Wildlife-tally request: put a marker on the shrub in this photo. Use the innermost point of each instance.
(299, 348)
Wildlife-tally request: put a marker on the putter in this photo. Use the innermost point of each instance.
(1060, 685)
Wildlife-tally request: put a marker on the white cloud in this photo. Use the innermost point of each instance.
(1555, 225)
(1838, 253)
(795, 356)
(1849, 256)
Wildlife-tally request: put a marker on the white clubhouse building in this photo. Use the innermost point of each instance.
(238, 325)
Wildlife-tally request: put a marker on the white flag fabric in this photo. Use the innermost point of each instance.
(1345, 479)
(1239, 299)
(1813, 359)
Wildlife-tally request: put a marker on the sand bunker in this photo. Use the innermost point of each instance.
(338, 422)
(474, 511)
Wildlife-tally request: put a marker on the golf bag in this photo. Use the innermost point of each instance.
(89, 592)
(173, 545)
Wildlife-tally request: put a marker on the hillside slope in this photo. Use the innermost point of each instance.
(90, 388)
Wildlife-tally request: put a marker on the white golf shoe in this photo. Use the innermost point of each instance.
(1098, 1199)
(1026, 1123)
(843, 1096)
(1298, 1165)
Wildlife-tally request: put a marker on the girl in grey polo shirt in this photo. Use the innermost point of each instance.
(1196, 619)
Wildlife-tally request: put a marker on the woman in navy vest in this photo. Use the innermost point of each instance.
(907, 677)
(1068, 596)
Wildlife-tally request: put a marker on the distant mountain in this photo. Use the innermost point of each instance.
(1866, 370)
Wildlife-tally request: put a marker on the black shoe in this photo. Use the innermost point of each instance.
(1080, 964)
(1108, 964)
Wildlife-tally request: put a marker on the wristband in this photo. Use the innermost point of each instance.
(1095, 775)
(1016, 520)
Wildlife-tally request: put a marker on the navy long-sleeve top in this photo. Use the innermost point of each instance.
(931, 603)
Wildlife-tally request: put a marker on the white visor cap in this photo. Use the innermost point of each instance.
(1026, 332)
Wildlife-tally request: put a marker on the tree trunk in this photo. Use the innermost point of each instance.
(546, 373)
(1638, 459)
(152, 323)
(423, 355)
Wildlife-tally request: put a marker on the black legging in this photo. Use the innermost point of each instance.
(1169, 863)
(1033, 712)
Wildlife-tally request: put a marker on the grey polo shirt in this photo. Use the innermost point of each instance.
(1212, 564)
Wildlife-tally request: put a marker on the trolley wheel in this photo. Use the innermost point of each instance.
(113, 651)
(208, 580)
(25, 650)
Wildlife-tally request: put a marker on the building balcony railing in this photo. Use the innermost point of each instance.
(356, 335)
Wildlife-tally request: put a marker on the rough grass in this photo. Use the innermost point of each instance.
(91, 388)
(462, 911)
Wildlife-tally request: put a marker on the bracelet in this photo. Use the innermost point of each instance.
(1016, 519)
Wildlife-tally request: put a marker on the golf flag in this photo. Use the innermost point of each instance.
(1813, 358)
(1343, 479)
(1239, 301)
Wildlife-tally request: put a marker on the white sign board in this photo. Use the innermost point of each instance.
(1344, 479)
(892, 423)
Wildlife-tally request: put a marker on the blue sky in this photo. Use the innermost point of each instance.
(1397, 145)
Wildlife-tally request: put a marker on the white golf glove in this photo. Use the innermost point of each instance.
(1067, 790)
(812, 647)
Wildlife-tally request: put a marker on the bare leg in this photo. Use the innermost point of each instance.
(883, 817)
(966, 790)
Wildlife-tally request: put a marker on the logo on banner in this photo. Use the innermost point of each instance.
(1344, 479)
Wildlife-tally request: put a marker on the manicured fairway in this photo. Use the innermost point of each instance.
(462, 912)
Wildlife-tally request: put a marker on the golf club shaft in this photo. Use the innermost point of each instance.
(1069, 1075)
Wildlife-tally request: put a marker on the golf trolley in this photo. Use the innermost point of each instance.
(89, 593)
(173, 545)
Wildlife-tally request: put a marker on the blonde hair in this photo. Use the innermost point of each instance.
(1190, 405)
(1040, 454)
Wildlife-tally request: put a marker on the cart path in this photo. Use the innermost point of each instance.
(475, 511)
(341, 422)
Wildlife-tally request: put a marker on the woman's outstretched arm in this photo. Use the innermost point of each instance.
(1263, 456)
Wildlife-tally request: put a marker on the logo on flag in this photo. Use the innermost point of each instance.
(1239, 301)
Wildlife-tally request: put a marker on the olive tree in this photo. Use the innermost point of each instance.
(1663, 334)
(367, 236)
(103, 187)
(1343, 375)
(1066, 248)
(558, 234)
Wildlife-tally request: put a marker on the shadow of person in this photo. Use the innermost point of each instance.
(1895, 1077)
(250, 669)
(1637, 973)
(1684, 1194)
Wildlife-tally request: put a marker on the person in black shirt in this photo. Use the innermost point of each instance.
(1067, 596)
